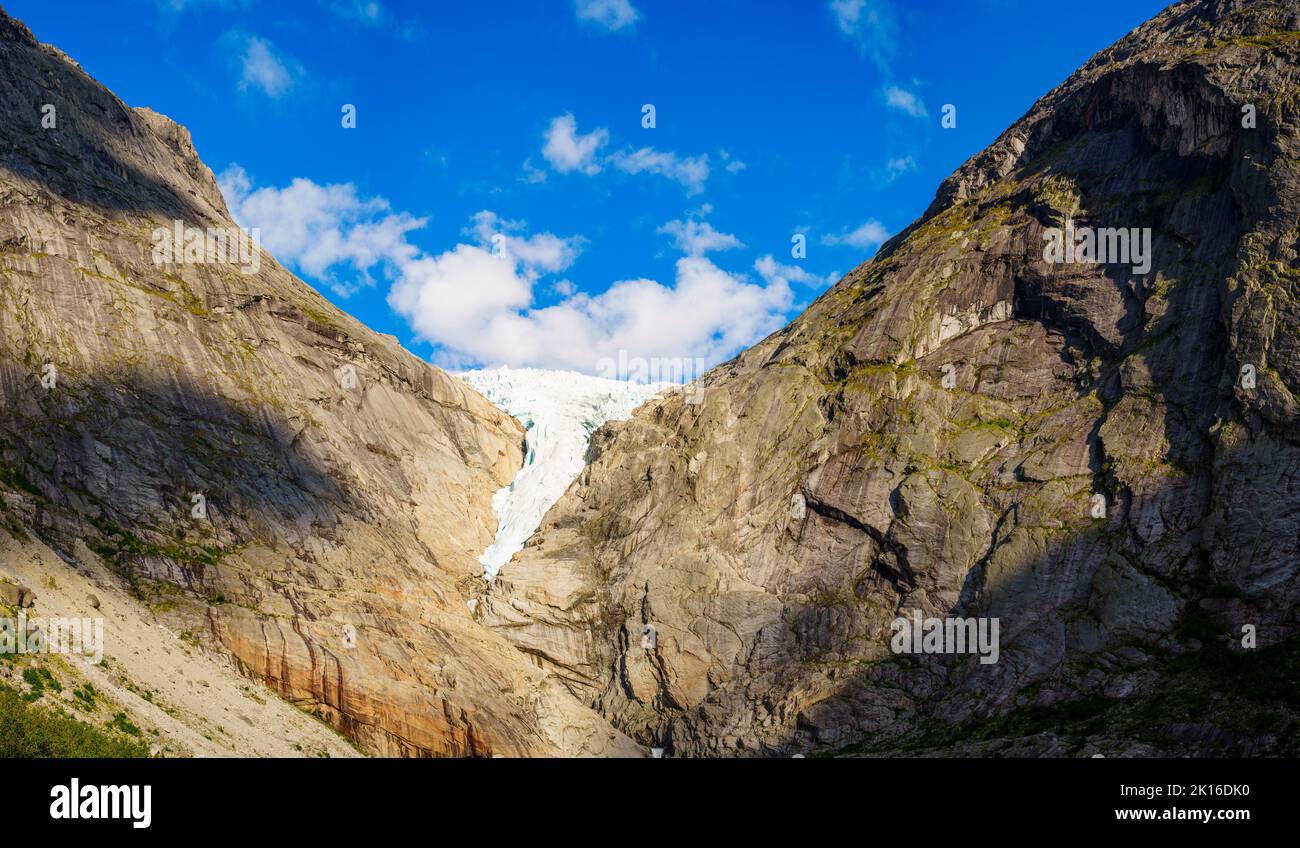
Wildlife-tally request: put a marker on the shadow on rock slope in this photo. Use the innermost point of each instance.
(342, 518)
(932, 434)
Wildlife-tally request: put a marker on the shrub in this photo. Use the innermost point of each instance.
(29, 731)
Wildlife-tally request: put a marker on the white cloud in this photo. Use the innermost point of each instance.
(773, 272)
(690, 171)
(325, 231)
(477, 308)
(898, 166)
(543, 253)
(263, 68)
(733, 166)
(532, 173)
(476, 302)
(847, 13)
(869, 24)
(905, 101)
(567, 150)
(370, 13)
(871, 234)
(451, 298)
(613, 15)
(696, 238)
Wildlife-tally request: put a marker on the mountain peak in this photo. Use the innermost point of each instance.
(973, 427)
(225, 453)
(70, 135)
(12, 29)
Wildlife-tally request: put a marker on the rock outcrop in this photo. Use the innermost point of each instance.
(19, 597)
(317, 494)
(1105, 461)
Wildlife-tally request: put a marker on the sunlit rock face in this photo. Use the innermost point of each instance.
(1104, 460)
(305, 494)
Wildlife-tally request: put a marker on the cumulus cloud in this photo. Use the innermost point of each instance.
(567, 150)
(327, 232)
(696, 238)
(476, 308)
(905, 101)
(450, 298)
(539, 254)
(690, 171)
(871, 26)
(476, 305)
(262, 67)
(869, 235)
(613, 15)
(775, 272)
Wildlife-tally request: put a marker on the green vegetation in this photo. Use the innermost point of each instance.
(319, 317)
(1260, 41)
(11, 525)
(1244, 693)
(29, 731)
(85, 697)
(14, 480)
(183, 297)
(1000, 423)
(117, 542)
(123, 724)
(39, 679)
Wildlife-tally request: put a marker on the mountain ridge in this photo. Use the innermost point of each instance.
(832, 479)
(235, 459)
(959, 427)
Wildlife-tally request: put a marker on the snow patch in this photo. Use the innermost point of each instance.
(560, 410)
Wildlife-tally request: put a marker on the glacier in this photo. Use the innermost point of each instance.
(559, 410)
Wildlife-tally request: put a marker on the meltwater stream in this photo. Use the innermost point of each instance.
(560, 409)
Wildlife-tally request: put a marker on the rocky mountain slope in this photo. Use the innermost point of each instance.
(934, 432)
(245, 464)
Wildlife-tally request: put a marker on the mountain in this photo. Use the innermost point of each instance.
(1061, 404)
(234, 466)
(1103, 456)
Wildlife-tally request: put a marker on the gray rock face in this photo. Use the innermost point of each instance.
(284, 483)
(1108, 462)
(16, 596)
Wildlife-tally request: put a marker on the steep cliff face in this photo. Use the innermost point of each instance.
(318, 494)
(933, 433)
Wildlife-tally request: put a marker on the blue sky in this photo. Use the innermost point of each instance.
(499, 200)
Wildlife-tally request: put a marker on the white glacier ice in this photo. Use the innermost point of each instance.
(560, 409)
